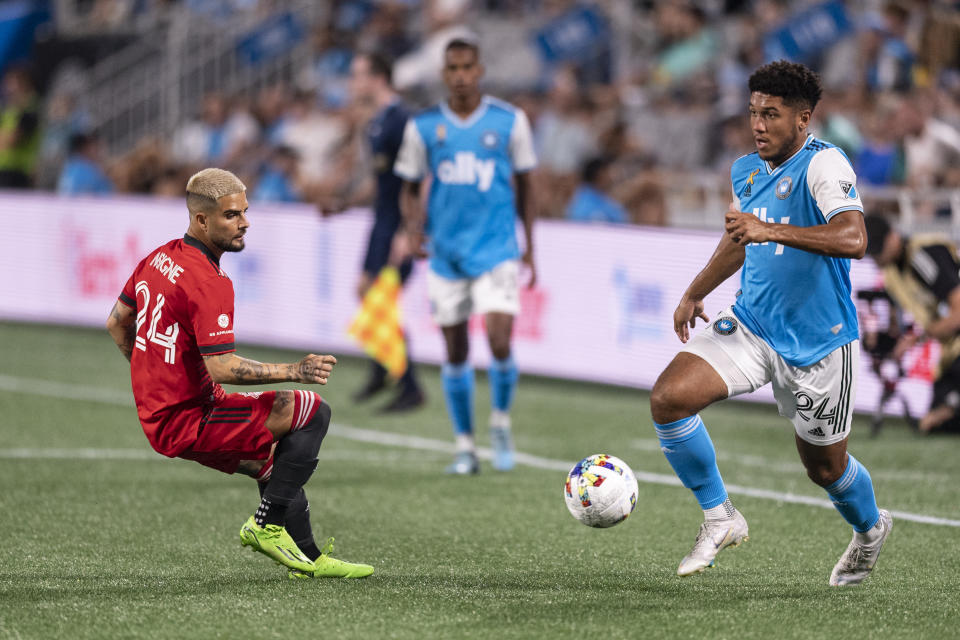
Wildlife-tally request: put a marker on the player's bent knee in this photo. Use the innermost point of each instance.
(306, 405)
(312, 415)
(824, 475)
(667, 401)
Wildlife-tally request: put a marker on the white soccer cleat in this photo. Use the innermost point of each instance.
(714, 536)
(858, 560)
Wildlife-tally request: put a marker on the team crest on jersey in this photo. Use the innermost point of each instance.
(441, 132)
(223, 320)
(725, 326)
(490, 139)
(784, 187)
(848, 189)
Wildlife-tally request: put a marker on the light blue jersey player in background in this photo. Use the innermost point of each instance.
(478, 152)
(794, 223)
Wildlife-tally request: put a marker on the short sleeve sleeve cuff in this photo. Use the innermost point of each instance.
(832, 183)
(411, 161)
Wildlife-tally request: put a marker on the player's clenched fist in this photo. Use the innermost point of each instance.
(744, 228)
(314, 368)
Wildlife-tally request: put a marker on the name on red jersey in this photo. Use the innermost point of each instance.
(162, 263)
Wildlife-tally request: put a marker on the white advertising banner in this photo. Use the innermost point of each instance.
(601, 310)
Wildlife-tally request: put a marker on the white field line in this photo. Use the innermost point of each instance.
(25, 453)
(384, 438)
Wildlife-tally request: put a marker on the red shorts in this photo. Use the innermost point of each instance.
(232, 430)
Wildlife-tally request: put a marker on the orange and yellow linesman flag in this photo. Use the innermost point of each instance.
(377, 324)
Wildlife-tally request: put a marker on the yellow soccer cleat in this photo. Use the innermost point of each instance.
(274, 542)
(327, 567)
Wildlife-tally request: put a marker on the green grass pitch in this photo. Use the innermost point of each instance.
(105, 539)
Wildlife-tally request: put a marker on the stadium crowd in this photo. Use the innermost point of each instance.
(651, 103)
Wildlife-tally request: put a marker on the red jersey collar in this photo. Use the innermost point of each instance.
(193, 242)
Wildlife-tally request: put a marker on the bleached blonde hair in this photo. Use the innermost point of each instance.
(205, 187)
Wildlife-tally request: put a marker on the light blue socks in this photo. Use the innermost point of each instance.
(853, 497)
(503, 382)
(690, 452)
(458, 390)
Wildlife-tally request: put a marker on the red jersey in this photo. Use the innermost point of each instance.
(184, 304)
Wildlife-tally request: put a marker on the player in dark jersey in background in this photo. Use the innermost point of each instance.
(370, 76)
(174, 323)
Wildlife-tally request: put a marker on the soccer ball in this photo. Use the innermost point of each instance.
(601, 491)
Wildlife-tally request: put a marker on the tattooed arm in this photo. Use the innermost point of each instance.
(229, 368)
(123, 328)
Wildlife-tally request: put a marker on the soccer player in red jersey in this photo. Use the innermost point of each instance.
(174, 323)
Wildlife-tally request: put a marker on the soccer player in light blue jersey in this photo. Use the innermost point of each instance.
(478, 152)
(795, 222)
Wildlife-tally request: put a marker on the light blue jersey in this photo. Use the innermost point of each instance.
(471, 211)
(798, 302)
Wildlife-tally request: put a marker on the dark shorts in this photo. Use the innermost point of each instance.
(233, 430)
(946, 388)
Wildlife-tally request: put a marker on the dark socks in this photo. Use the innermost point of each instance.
(297, 523)
(298, 526)
(270, 513)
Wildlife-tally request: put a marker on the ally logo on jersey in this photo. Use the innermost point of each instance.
(465, 169)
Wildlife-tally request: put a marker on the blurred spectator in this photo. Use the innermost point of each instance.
(82, 173)
(141, 169)
(880, 161)
(328, 76)
(688, 43)
(386, 30)
(921, 276)
(564, 141)
(19, 129)
(931, 146)
(836, 121)
(63, 119)
(279, 182)
(421, 67)
(888, 63)
(316, 135)
(735, 140)
(939, 49)
(271, 113)
(217, 138)
(590, 201)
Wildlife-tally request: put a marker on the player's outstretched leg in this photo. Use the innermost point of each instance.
(295, 459)
(690, 452)
(458, 390)
(853, 497)
(503, 381)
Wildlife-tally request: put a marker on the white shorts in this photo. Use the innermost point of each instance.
(817, 399)
(497, 290)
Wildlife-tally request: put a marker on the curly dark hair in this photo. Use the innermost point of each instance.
(795, 83)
